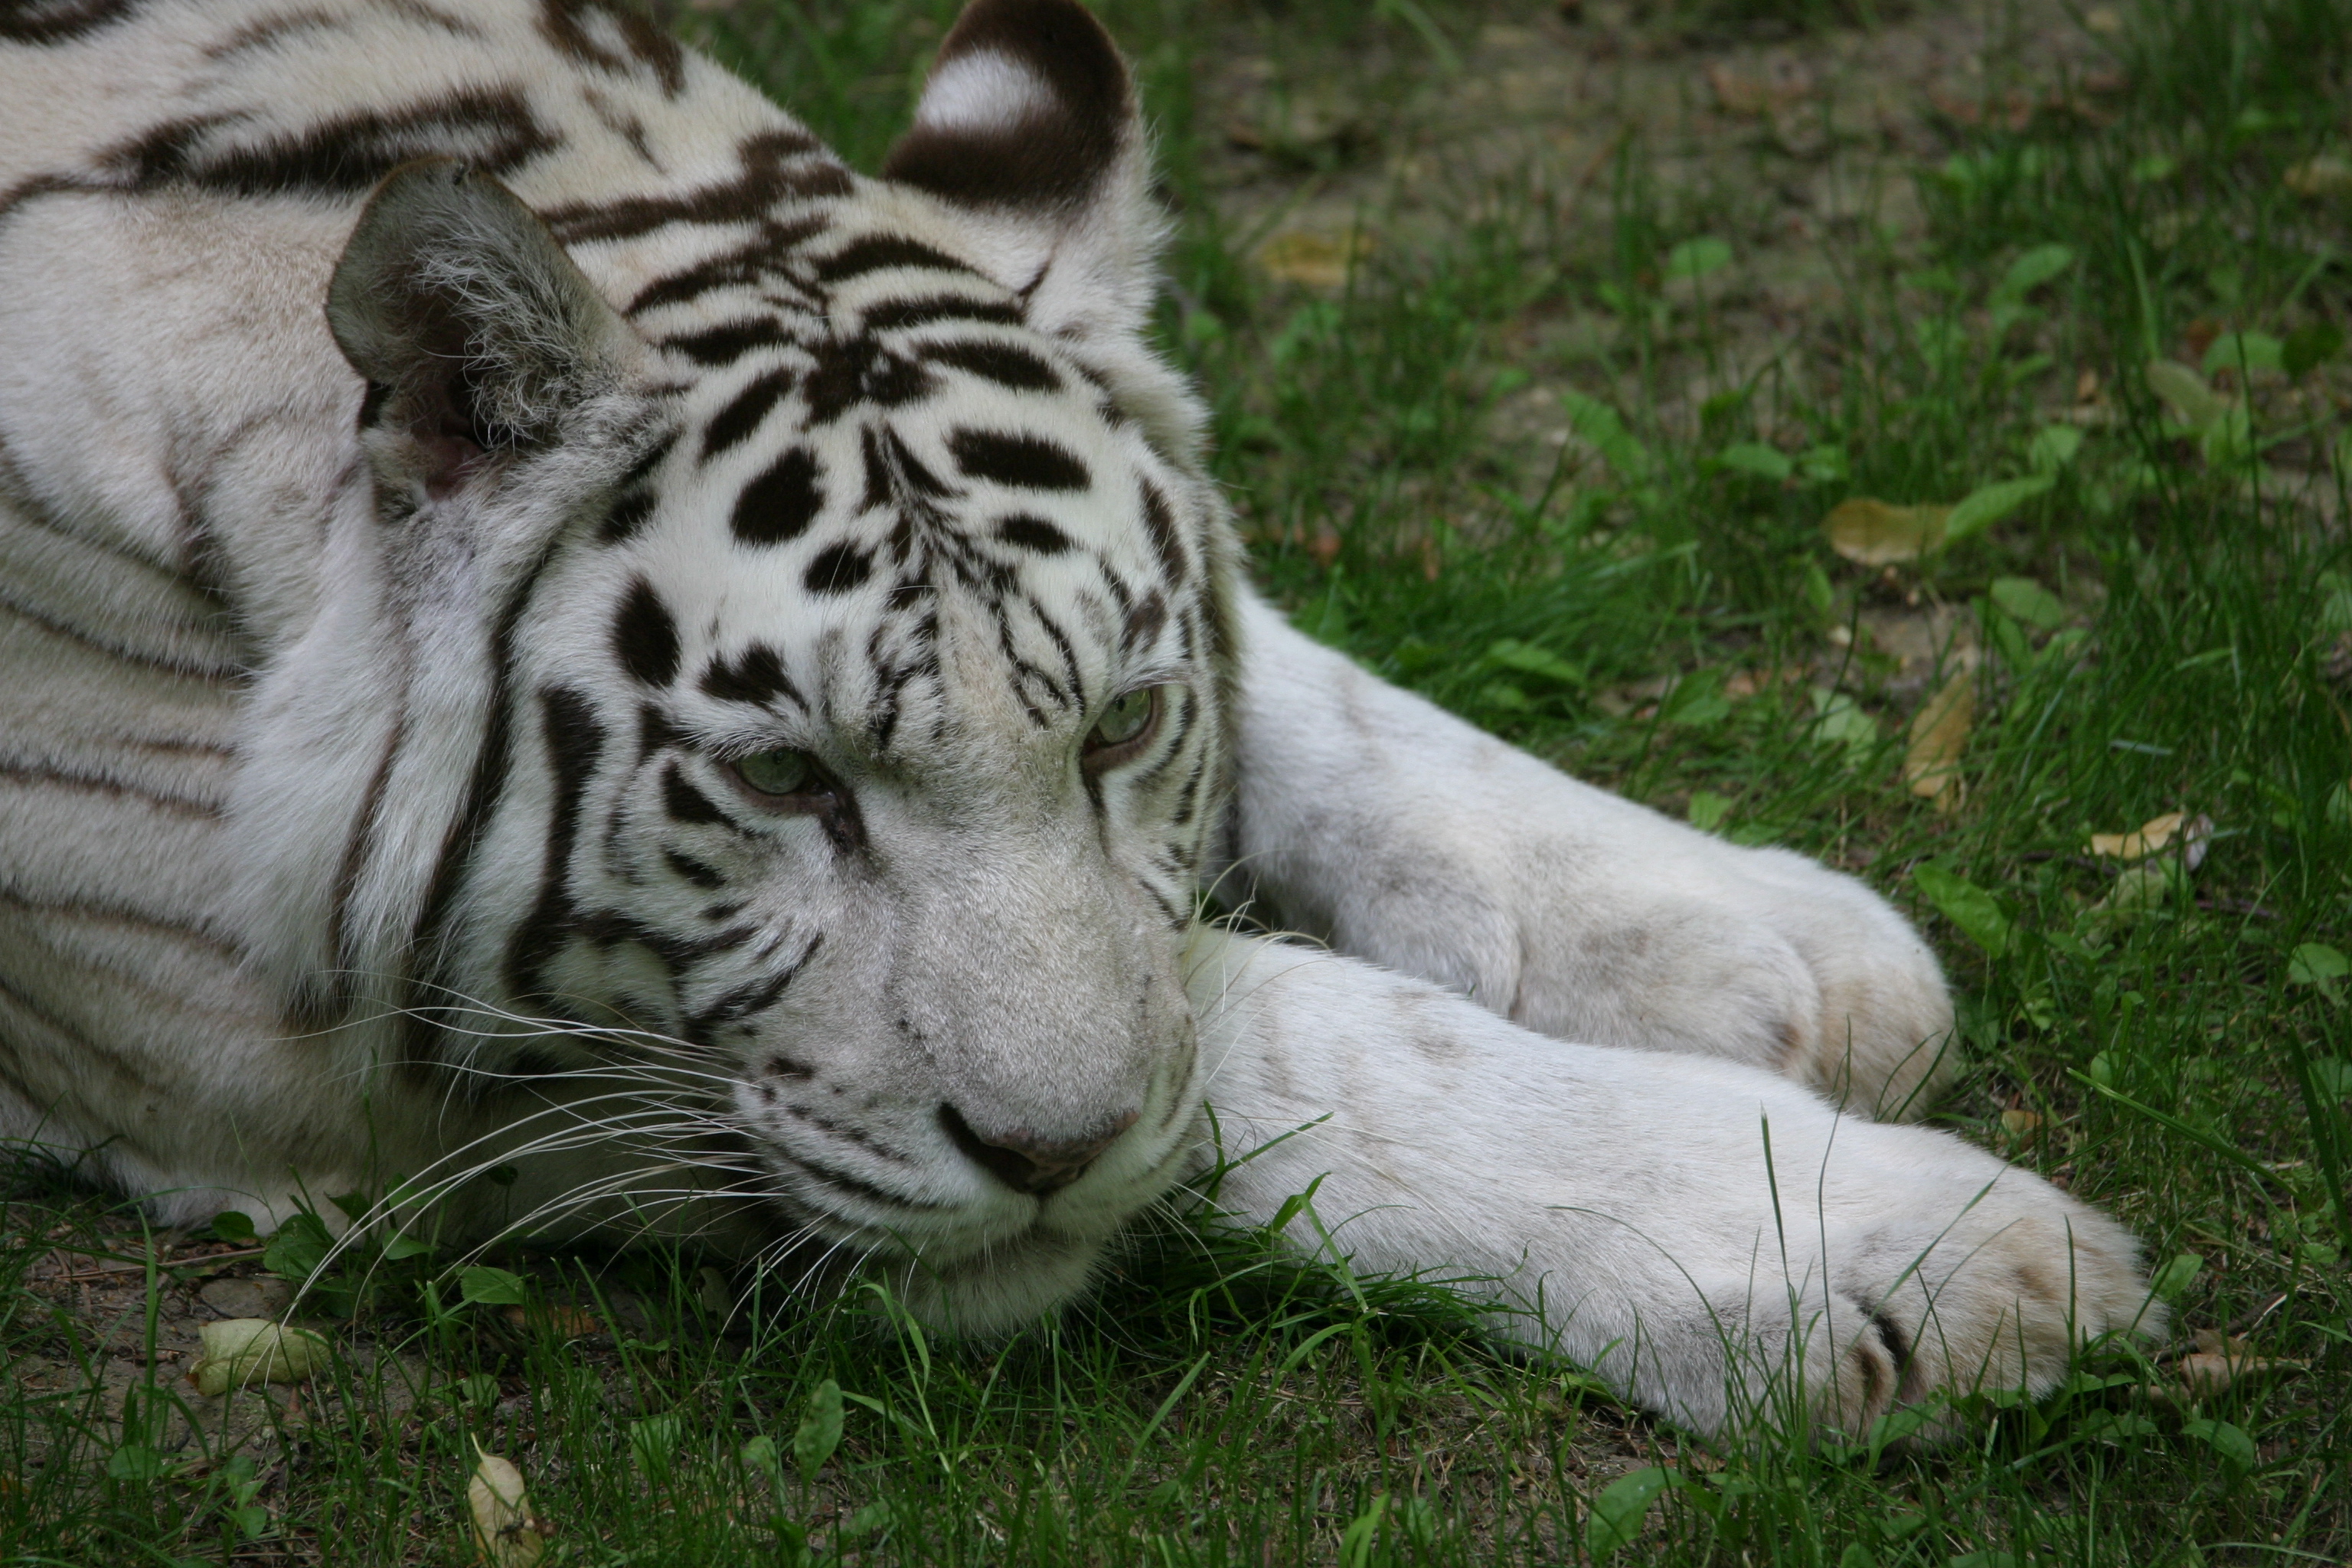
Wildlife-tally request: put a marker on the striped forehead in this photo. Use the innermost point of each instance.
(911, 555)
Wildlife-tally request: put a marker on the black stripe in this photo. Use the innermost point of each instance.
(645, 636)
(576, 747)
(781, 502)
(891, 315)
(1161, 524)
(756, 676)
(566, 25)
(491, 129)
(756, 262)
(731, 340)
(59, 21)
(1003, 364)
(692, 869)
(744, 414)
(837, 569)
(875, 252)
(464, 838)
(1026, 462)
(1033, 533)
(683, 802)
(768, 179)
(749, 998)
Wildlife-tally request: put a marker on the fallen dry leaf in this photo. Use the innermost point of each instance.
(1783, 81)
(572, 1323)
(1316, 260)
(1939, 732)
(241, 1351)
(1874, 533)
(2217, 1364)
(507, 1534)
(1750, 682)
(2325, 175)
(2155, 835)
(2021, 1125)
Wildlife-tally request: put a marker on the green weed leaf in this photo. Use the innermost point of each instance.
(2310, 346)
(1755, 457)
(1529, 659)
(1617, 1513)
(1708, 810)
(1697, 701)
(297, 1249)
(1839, 721)
(1694, 258)
(1980, 509)
(2231, 1442)
(653, 1442)
(232, 1226)
(1605, 429)
(2184, 391)
(1982, 1560)
(396, 1248)
(2317, 963)
(1966, 905)
(2250, 351)
(819, 1433)
(1362, 1533)
(135, 1462)
(2032, 270)
(2052, 447)
(2170, 1282)
(488, 1287)
(2030, 602)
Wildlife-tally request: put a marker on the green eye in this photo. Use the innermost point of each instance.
(1124, 726)
(776, 772)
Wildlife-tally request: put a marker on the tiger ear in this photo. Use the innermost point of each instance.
(476, 332)
(1028, 125)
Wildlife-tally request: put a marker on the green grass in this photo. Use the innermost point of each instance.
(1596, 601)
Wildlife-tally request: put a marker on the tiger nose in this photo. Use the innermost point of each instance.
(1024, 1161)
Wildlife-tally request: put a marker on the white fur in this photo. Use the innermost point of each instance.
(212, 645)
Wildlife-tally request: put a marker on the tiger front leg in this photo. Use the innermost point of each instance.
(1719, 1244)
(1369, 818)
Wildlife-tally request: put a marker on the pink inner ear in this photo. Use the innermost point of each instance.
(451, 458)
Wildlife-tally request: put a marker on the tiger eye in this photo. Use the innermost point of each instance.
(1125, 719)
(776, 772)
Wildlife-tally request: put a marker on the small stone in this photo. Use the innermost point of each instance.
(247, 1297)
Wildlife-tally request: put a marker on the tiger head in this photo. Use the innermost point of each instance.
(811, 631)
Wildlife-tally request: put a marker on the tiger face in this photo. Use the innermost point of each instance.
(812, 591)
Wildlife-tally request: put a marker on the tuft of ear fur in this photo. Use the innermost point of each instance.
(475, 332)
(1029, 132)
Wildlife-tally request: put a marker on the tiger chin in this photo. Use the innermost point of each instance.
(549, 630)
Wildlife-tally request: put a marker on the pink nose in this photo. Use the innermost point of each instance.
(1026, 1161)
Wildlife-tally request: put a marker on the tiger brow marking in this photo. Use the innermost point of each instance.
(755, 676)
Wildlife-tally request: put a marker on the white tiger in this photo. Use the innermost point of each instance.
(548, 624)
